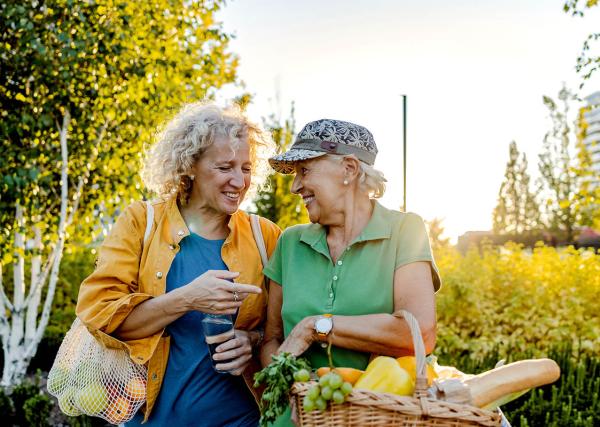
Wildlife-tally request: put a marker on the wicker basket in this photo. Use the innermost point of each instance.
(367, 408)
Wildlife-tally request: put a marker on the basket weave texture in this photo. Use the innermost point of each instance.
(374, 409)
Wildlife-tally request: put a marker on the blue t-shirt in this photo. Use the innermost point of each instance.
(192, 393)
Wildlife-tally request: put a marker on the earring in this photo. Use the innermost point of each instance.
(345, 182)
(192, 177)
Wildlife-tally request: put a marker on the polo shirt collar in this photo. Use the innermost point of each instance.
(314, 236)
(378, 227)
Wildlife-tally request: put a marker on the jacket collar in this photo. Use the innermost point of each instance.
(178, 228)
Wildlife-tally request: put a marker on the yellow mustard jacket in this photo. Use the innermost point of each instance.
(128, 273)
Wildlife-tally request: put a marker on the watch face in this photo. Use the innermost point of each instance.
(323, 325)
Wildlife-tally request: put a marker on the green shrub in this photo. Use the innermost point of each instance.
(510, 303)
(571, 401)
(37, 410)
(86, 421)
(6, 405)
(21, 394)
(509, 297)
(574, 400)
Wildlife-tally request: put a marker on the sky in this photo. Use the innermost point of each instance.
(474, 72)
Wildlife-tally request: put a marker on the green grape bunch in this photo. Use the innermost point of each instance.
(331, 387)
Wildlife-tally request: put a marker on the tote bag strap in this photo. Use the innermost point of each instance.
(149, 221)
(260, 243)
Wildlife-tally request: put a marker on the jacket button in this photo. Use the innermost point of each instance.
(172, 247)
(159, 274)
(154, 376)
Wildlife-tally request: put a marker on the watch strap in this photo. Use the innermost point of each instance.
(323, 336)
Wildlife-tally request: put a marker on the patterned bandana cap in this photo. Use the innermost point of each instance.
(327, 136)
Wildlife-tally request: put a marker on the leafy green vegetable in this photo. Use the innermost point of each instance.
(278, 378)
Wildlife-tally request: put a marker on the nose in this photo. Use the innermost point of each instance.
(296, 185)
(237, 180)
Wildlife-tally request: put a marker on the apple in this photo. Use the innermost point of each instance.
(65, 402)
(92, 399)
(136, 389)
(119, 410)
(86, 372)
(58, 379)
(114, 389)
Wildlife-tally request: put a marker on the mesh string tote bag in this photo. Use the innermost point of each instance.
(89, 378)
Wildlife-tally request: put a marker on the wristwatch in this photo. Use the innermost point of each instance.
(323, 327)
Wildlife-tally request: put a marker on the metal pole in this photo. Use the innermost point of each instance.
(404, 145)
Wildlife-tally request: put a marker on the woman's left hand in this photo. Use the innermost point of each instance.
(300, 338)
(237, 352)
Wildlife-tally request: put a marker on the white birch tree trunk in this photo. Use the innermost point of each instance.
(22, 329)
(15, 336)
(34, 302)
(21, 334)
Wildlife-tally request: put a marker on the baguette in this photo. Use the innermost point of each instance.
(491, 385)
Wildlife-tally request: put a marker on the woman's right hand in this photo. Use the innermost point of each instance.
(213, 292)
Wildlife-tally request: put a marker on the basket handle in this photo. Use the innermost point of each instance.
(419, 347)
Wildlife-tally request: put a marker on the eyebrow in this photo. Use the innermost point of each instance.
(229, 162)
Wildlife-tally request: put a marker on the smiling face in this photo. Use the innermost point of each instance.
(320, 184)
(222, 176)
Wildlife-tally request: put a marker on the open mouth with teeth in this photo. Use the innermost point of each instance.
(308, 199)
(232, 196)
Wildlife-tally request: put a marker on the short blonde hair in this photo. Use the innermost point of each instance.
(370, 180)
(186, 137)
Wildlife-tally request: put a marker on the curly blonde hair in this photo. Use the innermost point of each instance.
(186, 137)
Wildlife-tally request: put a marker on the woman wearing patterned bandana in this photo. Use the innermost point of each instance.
(342, 278)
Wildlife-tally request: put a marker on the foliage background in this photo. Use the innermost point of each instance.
(129, 71)
(507, 302)
(511, 298)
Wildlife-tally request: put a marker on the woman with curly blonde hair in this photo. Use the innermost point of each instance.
(189, 256)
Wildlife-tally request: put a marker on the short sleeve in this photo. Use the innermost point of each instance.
(412, 245)
(273, 270)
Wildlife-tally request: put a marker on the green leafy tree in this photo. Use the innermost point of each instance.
(435, 229)
(82, 88)
(275, 201)
(588, 61)
(559, 170)
(517, 211)
(588, 194)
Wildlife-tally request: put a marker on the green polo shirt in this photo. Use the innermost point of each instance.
(360, 282)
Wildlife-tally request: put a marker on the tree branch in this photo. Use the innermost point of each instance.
(76, 197)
